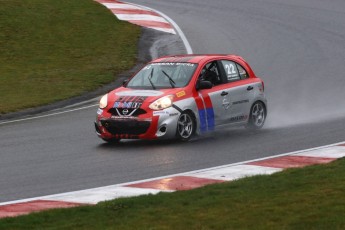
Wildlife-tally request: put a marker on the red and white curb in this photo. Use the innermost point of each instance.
(139, 15)
(182, 181)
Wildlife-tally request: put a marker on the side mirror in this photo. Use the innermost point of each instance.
(204, 85)
(124, 83)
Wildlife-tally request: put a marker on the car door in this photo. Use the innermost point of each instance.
(213, 99)
(240, 91)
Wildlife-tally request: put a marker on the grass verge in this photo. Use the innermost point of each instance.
(308, 198)
(52, 50)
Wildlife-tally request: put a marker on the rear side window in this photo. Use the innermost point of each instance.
(242, 72)
(231, 71)
(234, 71)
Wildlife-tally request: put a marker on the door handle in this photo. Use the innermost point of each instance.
(224, 93)
(250, 88)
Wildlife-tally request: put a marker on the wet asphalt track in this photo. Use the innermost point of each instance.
(298, 48)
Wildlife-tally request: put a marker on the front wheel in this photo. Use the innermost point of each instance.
(185, 126)
(257, 116)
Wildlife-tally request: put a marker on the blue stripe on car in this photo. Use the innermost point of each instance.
(210, 118)
(206, 119)
(203, 124)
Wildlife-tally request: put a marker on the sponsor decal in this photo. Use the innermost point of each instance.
(126, 136)
(173, 114)
(240, 102)
(127, 105)
(238, 118)
(99, 111)
(181, 94)
(226, 103)
(122, 118)
(170, 64)
(159, 113)
(129, 102)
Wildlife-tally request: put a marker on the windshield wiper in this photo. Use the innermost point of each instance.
(171, 81)
(149, 77)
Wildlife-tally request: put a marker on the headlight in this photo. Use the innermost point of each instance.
(103, 102)
(162, 103)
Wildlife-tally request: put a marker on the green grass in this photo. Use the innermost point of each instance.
(55, 49)
(308, 198)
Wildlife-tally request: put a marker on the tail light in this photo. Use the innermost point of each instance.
(263, 86)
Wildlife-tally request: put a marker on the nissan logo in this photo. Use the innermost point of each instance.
(125, 112)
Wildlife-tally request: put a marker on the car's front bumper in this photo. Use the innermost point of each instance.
(152, 125)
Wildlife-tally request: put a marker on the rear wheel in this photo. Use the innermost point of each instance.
(257, 116)
(185, 126)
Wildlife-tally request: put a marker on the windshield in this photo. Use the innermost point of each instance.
(163, 75)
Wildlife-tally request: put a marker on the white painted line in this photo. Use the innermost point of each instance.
(235, 172)
(93, 100)
(331, 152)
(48, 115)
(171, 31)
(121, 6)
(177, 28)
(93, 196)
(140, 17)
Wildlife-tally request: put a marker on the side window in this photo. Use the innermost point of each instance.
(211, 73)
(242, 71)
(231, 71)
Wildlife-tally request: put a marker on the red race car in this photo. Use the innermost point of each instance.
(179, 96)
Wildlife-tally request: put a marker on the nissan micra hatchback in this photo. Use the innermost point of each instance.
(179, 96)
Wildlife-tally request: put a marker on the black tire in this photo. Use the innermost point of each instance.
(257, 116)
(111, 140)
(185, 126)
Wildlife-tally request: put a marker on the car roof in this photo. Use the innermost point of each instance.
(195, 58)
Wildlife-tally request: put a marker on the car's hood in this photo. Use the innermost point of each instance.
(144, 93)
(123, 97)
